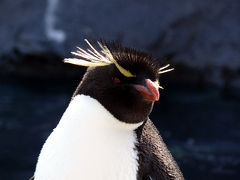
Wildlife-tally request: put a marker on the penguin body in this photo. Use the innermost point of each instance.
(105, 133)
(89, 145)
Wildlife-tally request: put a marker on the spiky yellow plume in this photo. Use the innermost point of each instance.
(164, 69)
(92, 57)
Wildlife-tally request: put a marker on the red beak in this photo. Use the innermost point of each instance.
(150, 92)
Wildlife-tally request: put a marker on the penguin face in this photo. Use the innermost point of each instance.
(123, 80)
(129, 99)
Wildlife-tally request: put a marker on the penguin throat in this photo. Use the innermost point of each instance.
(98, 116)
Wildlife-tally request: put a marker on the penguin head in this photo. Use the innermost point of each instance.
(125, 81)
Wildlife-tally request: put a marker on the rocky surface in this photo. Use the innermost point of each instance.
(200, 35)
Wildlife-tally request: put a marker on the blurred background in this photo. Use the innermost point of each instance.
(199, 110)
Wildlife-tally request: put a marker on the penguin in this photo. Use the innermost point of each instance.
(105, 132)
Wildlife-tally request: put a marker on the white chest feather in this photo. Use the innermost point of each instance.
(89, 143)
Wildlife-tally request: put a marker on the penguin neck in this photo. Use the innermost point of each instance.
(85, 112)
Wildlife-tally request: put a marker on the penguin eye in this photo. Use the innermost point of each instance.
(116, 80)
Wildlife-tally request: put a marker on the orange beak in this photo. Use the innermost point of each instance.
(150, 92)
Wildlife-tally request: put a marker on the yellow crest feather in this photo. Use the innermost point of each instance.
(92, 57)
(164, 69)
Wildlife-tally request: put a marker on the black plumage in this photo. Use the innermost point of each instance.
(155, 160)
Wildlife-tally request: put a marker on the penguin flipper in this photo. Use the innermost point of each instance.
(158, 162)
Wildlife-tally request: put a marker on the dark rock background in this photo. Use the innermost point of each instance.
(198, 115)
